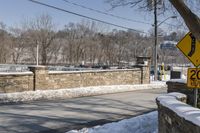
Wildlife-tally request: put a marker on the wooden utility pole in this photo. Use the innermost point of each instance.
(156, 42)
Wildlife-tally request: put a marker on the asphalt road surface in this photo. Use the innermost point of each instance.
(63, 115)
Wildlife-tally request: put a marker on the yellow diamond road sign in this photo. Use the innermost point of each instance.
(190, 47)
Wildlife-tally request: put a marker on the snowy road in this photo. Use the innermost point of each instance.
(65, 115)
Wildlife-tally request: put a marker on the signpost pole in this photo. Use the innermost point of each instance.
(195, 93)
(195, 96)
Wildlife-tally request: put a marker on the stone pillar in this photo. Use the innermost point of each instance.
(144, 63)
(40, 77)
(145, 75)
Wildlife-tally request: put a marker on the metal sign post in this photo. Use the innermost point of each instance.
(195, 97)
(196, 90)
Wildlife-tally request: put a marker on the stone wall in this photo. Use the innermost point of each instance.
(95, 78)
(181, 86)
(41, 79)
(175, 116)
(16, 82)
(57, 80)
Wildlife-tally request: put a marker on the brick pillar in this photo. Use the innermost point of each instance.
(40, 77)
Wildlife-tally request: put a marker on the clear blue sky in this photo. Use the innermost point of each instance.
(12, 12)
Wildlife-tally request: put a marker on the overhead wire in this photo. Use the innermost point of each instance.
(84, 16)
(105, 13)
(112, 15)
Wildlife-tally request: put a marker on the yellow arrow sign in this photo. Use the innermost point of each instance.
(190, 47)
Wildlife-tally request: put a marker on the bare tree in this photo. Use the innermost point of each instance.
(4, 44)
(81, 42)
(41, 31)
(18, 47)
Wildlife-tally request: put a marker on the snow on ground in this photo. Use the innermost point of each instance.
(147, 123)
(74, 92)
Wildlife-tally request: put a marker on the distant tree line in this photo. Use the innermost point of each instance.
(77, 43)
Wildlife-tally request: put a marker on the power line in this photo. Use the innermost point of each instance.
(112, 15)
(105, 13)
(84, 16)
(169, 24)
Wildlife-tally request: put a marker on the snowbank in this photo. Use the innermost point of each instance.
(147, 123)
(73, 92)
(178, 80)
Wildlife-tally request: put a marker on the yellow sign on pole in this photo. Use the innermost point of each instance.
(190, 47)
(193, 78)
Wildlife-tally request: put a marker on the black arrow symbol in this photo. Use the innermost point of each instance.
(193, 45)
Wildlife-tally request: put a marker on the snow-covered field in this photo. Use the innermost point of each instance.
(74, 92)
(147, 123)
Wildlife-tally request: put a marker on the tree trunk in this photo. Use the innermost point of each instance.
(191, 20)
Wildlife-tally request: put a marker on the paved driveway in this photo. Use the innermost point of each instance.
(64, 115)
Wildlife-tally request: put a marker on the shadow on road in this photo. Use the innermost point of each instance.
(64, 115)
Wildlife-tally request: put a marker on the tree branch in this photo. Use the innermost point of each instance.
(191, 20)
